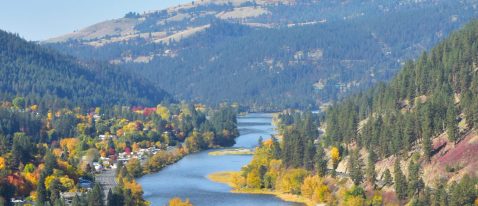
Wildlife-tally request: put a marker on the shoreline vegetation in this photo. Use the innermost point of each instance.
(226, 177)
(232, 151)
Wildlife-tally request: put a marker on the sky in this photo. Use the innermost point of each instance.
(38, 20)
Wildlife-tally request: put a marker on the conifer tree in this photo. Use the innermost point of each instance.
(426, 131)
(370, 171)
(320, 161)
(452, 126)
(415, 184)
(400, 181)
(55, 191)
(76, 201)
(355, 167)
(387, 177)
(427, 147)
(276, 150)
(309, 154)
(95, 196)
(128, 197)
(41, 190)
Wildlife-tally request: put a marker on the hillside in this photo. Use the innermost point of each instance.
(45, 77)
(304, 52)
(425, 116)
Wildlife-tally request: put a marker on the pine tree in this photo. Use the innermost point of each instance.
(309, 128)
(400, 181)
(55, 191)
(276, 150)
(427, 147)
(59, 202)
(128, 197)
(452, 125)
(95, 196)
(309, 154)
(259, 142)
(427, 132)
(50, 163)
(370, 172)
(320, 161)
(41, 190)
(387, 177)
(409, 132)
(76, 201)
(355, 167)
(110, 199)
(414, 183)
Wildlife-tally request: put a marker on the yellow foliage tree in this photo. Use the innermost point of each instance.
(254, 179)
(34, 107)
(48, 181)
(31, 178)
(311, 183)
(81, 128)
(335, 155)
(57, 152)
(321, 194)
(354, 201)
(67, 182)
(2, 163)
(71, 144)
(130, 127)
(178, 202)
(291, 181)
(163, 112)
(238, 181)
(135, 188)
(33, 195)
(376, 200)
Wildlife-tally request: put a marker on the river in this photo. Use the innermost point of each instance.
(188, 177)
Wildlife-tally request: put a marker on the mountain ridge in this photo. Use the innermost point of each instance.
(333, 47)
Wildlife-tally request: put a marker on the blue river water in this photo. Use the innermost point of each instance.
(188, 177)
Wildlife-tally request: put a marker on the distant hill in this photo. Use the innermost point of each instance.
(270, 54)
(45, 77)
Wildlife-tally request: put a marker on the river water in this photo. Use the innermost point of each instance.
(188, 177)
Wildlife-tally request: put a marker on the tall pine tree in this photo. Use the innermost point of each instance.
(400, 181)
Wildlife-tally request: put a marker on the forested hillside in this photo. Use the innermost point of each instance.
(428, 97)
(413, 140)
(269, 55)
(49, 79)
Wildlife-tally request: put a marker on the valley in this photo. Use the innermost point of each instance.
(241, 102)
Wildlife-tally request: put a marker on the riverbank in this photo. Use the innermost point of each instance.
(226, 177)
(235, 151)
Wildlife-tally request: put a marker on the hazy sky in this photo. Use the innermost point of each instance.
(43, 19)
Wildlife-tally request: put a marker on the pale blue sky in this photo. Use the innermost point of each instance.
(43, 19)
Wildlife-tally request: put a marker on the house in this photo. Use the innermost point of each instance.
(17, 201)
(107, 136)
(68, 196)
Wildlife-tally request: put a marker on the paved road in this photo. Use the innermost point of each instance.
(107, 181)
